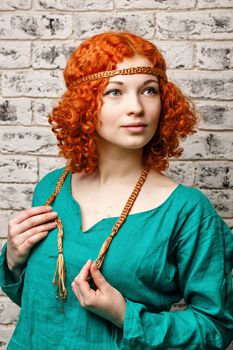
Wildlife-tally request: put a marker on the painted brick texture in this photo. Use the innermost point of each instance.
(36, 39)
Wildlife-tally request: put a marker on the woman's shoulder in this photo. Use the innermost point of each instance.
(192, 194)
(51, 178)
(194, 200)
(180, 196)
(198, 216)
(46, 185)
(194, 209)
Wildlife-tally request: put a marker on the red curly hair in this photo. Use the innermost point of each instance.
(75, 119)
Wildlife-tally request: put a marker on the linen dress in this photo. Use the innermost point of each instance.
(180, 249)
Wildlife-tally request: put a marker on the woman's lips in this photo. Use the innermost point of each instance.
(135, 127)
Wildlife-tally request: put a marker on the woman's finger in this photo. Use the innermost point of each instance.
(85, 271)
(76, 290)
(98, 278)
(29, 243)
(81, 280)
(25, 214)
(31, 222)
(21, 238)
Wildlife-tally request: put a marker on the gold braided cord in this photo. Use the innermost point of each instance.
(125, 71)
(60, 275)
(122, 218)
(59, 183)
(60, 272)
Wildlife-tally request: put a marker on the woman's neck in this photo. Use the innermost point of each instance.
(115, 164)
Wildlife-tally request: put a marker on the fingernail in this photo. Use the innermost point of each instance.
(94, 265)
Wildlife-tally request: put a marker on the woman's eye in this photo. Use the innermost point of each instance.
(150, 91)
(113, 93)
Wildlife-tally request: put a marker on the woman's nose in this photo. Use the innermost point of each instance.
(134, 105)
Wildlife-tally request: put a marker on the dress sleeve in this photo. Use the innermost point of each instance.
(204, 258)
(8, 284)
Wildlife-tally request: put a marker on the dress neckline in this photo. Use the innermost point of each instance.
(114, 218)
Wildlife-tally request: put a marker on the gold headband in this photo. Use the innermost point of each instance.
(133, 70)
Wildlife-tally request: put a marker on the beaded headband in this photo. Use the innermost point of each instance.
(125, 71)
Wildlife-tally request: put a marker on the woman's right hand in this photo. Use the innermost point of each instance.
(24, 230)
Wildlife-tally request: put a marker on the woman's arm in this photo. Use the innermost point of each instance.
(7, 281)
(204, 262)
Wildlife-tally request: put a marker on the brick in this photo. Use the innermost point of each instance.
(214, 3)
(15, 55)
(88, 24)
(28, 140)
(181, 172)
(15, 5)
(154, 4)
(15, 111)
(16, 196)
(5, 335)
(18, 169)
(38, 26)
(208, 145)
(202, 84)
(229, 222)
(230, 347)
(8, 311)
(214, 175)
(222, 201)
(2, 242)
(5, 216)
(214, 56)
(32, 84)
(51, 55)
(176, 56)
(74, 5)
(47, 164)
(194, 25)
(41, 110)
(215, 115)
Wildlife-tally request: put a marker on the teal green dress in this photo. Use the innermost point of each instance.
(180, 249)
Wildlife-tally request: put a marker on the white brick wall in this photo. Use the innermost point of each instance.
(37, 37)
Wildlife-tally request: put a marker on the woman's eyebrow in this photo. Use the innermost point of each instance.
(144, 83)
(150, 81)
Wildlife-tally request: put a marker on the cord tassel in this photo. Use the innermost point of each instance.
(103, 251)
(60, 273)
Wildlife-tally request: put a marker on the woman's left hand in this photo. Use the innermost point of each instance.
(105, 301)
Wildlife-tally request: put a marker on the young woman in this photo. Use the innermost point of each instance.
(121, 241)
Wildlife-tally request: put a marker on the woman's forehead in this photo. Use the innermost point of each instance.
(135, 61)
